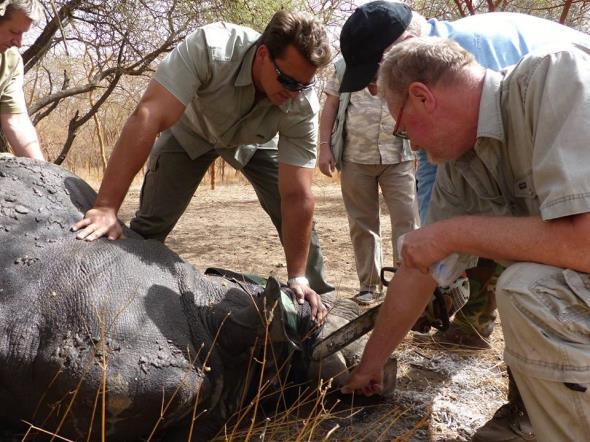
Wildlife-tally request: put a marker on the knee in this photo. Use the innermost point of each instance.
(521, 275)
(519, 279)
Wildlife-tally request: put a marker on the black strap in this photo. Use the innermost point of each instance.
(440, 311)
(231, 275)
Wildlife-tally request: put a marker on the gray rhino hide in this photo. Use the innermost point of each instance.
(70, 308)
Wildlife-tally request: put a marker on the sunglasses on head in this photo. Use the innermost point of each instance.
(290, 83)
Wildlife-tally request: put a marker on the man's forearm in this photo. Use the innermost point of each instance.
(297, 215)
(562, 242)
(328, 117)
(22, 136)
(129, 155)
(32, 149)
(407, 295)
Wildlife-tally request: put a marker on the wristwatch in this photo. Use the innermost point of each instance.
(299, 280)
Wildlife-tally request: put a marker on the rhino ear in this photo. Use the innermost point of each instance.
(272, 291)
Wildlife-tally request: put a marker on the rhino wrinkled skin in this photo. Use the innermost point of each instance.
(73, 314)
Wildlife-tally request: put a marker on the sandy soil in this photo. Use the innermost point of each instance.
(442, 394)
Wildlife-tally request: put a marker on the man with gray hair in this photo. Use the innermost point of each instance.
(512, 186)
(16, 17)
(496, 40)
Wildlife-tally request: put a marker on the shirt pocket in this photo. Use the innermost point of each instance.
(524, 187)
(579, 283)
(481, 181)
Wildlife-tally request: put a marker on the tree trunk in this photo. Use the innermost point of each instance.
(99, 135)
(212, 174)
(3, 142)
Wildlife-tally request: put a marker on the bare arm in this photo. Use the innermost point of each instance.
(157, 111)
(297, 205)
(326, 162)
(562, 242)
(21, 135)
(407, 295)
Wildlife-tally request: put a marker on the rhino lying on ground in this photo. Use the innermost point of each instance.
(125, 329)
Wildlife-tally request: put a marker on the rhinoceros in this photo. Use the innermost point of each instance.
(124, 338)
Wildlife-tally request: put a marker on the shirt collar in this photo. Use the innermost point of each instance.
(489, 124)
(244, 77)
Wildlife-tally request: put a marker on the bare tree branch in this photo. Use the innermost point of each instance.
(565, 11)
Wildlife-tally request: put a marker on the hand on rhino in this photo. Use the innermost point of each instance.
(305, 293)
(98, 222)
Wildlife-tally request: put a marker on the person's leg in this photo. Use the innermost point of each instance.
(398, 186)
(479, 314)
(558, 410)
(425, 178)
(169, 184)
(545, 313)
(510, 423)
(262, 171)
(360, 194)
(474, 323)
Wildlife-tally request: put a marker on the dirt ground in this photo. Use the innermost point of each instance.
(442, 395)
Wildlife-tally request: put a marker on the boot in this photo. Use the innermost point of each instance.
(511, 421)
(474, 323)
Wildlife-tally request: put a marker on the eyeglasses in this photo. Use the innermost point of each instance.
(289, 82)
(396, 130)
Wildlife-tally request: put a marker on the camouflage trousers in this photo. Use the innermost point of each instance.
(479, 314)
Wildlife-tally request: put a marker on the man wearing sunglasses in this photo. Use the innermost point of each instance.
(227, 91)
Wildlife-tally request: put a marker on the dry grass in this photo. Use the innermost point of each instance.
(316, 413)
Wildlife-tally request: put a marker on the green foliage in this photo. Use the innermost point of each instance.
(252, 13)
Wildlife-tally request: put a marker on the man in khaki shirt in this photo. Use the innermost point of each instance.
(227, 91)
(513, 186)
(16, 17)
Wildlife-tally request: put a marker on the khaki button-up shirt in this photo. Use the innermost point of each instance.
(368, 134)
(12, 98)
(532, 155)
(211, 73)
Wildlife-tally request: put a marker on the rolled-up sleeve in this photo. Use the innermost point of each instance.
(12, 100)
(186, 68)
(298, 133)
(333, 84)
(557, 101)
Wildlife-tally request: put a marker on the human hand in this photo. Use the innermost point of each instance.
(326, 162)
(304, 293)
(365, 381)
(97, 222)
(423, 247)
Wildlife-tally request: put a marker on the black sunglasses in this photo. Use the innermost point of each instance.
(290, 83)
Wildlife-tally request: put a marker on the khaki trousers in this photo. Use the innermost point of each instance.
(545, 313)
(360, 191)
(172, 179)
